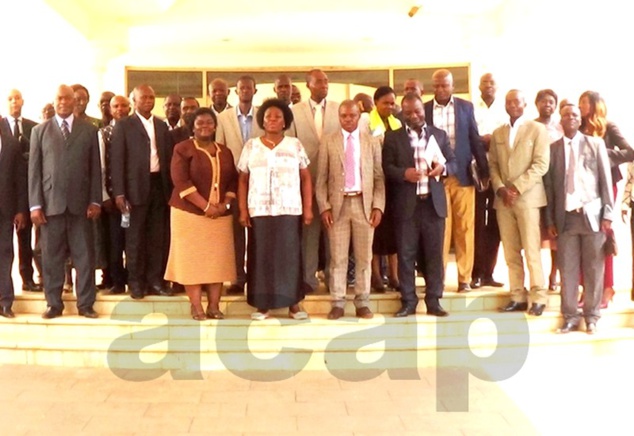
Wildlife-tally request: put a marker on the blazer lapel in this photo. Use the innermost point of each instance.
(139, 126)
(76, 129)
(310, 118)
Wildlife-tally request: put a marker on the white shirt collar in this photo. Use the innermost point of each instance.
(143, 119)
(69, 121)
(354, 133)
(449, 103)
(249, 114)
(314, 104)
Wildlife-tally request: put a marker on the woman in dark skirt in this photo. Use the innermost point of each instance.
(275, 198)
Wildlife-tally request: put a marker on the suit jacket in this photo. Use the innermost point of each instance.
(13, 178)
(331, 175)
(229, 133)
(619, 151)
(469, 146)
(179, 134)
(303, 128)
(522, 166)
(596, 190)
(130, 159)
(398, 155)
(64, 175)
(27, 128)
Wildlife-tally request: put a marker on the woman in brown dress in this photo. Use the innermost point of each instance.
(201, 255)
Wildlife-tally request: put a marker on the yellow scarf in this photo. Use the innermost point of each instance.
(376, 122)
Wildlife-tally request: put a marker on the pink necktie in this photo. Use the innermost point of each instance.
(349, 163)
(570, 174)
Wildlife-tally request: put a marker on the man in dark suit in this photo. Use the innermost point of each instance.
(20, 128)
(64, 195)
(455, 116)
(13, 212)
(140, 159)
(579, 212)
(188, 108)
(414, 160)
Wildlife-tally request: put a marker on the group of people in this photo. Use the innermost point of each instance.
(246, 195)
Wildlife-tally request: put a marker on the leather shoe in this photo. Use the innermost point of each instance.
(160, 291)
(31, 286)
(115, 290)
(51, 313)
(235, 289)
(536, 309)
(177, 288)
(335, 313)
(437, 310)
(89, 313)
(476, 283)
(364, 312)
(591, 328)
(6, 312)
(464, 287)
(514, 306)
(567, 328)
(489, 281)
(405, 311)
(136, 293)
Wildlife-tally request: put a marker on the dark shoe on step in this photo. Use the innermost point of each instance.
(489, 281)
(115, 290)
(335, 313)
(51, 313)
(364, 312)
(235, 289)
(405, 311)
(514, 306)
(161, 291)
(464, 287)
(6, 312)
(136, 293)
(567, 328)
(437, 310)
(31, 286)
(89, 313)
(476, 283)
(536, 309)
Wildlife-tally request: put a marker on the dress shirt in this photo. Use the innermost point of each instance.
(148, 125)
(489, 118)
(11, 121)
(357, 159)
(445, 119)
(102, 156)
(419, 144)
(573, 201)
(245, 122)
(513, 130)
(69, 121)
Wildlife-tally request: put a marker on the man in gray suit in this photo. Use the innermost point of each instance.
(314, 119)
(579, 212)
(64, 195)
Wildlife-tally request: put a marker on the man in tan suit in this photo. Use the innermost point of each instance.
(235, 127)
(351, 197)
(519, 156)
(314, 119)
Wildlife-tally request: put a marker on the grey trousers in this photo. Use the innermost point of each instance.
(580, 250)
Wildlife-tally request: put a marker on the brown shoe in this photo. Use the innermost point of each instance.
(364, 312)
(335, 313)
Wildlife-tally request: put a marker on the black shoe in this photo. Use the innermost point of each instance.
(160, 291)
(235, 289)
(51, 313)
(335, 313)
(436, 310)
(489, 281)
(89, 313)
(405, 311)
(115, 290)
(537, 309)
(136, 293)
(464, 287)
(177, 288)
(6, 312)
(514, 306)
(567, 328)
(591, 328)
(476, 283)
(31, 286)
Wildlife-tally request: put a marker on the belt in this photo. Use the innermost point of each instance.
(575, 211)
(423, 196)
(352, 194)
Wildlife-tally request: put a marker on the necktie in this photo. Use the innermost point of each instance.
(349, 163)
(16, 129)
(319, 121)
(65, 131)
(570, 174)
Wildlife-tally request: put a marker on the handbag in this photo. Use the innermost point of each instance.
(609, 246)
(479, 184)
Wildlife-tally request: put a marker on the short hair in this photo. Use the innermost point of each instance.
(76, 87)
(203, 111)
(411, 97)
(190, 98)
(544, 93)
(309, 74)
(382, 91)
(244, 78)
(280, 104)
